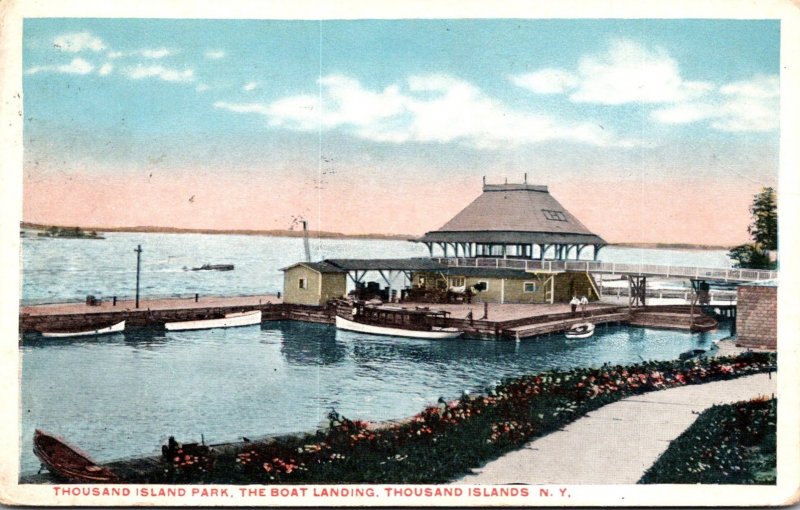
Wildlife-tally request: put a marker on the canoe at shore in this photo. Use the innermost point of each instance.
(114, 328)
(230, 320)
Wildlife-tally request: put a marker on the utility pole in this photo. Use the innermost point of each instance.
(306, 246)
(138, 251)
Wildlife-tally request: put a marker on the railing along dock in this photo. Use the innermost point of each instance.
(614, 268)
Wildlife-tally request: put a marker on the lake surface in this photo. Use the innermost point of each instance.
(126, 394)
(56, 270)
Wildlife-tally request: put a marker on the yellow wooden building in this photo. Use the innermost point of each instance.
(313, 283)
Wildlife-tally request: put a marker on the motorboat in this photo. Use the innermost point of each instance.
(68, 462)
(398, 321)
(230, 320)
(214, 267)
(581, 330)
(114, 328)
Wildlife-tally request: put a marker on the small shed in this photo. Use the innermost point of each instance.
(313, 283)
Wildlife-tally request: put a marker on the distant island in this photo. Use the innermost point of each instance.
(69, 232)
(175, 230)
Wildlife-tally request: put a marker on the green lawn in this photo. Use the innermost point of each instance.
(728, 444)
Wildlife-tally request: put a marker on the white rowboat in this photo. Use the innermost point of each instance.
(114, 328)
(432, 334)
(582, 330)
(231, 320)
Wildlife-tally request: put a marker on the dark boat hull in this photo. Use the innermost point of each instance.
(67, 462)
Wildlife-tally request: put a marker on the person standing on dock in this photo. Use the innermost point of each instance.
(584, 304)
(574, 304)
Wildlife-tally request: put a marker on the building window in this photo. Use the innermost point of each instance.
(421, 281)
(302, 283)
(481, 286)
(554, 215)
(529, 287)
(457, 281)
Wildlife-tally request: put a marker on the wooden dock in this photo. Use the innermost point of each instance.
(151, 312)
(506, 321)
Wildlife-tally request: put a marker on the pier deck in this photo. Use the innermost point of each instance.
(504, 321)
(149, 304)
(150, 312)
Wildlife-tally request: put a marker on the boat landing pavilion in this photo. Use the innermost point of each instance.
(521, 221)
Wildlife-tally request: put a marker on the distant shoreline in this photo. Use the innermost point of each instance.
(326, 235)
(674, 246)
(247, 232)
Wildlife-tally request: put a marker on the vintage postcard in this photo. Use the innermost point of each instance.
(414, 254)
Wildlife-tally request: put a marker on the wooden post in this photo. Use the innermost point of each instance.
(138, 251)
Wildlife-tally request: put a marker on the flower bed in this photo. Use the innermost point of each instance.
(728, 444)
(446, 441)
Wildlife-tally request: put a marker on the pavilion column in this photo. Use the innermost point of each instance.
(579, 248)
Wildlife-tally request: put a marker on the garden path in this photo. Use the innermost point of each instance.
(617, 443)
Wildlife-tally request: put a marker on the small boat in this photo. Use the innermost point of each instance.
(397, 321)
(214, 267)
(119, 327)
(581, 330)
(230, 320)
(68, 462)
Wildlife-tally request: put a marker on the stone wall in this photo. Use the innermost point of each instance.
(757, 317)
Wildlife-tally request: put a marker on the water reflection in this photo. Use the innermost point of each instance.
(308, 344)
(146, 338)
(37, 341)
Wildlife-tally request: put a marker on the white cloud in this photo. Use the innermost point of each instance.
(105, 69)
(742, 106)
(76, 66)
(162, 73)
(434, 108)
(215, 54)
(627, 73)
(78, 41)
(547, 81)
(243, 107)
(158, 53)
(250, 86)
(202, 87)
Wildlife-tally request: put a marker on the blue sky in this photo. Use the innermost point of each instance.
(403, 100)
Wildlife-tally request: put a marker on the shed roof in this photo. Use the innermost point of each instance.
(512, 213)
(410, 264)
(320, 267)
(489, 272)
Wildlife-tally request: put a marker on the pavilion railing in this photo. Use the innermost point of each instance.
(736, 275)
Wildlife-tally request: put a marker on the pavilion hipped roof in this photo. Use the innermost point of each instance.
(514, 213)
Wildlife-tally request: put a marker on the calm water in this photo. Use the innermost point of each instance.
(68, 269)
(124, 395)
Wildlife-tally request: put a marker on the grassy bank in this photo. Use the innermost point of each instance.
(446, 441)
(728, 444)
